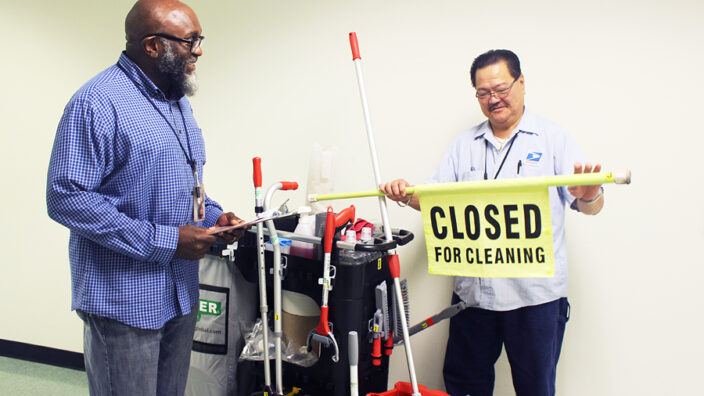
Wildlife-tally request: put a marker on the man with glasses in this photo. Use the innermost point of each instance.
(527, 316)
(125, 177)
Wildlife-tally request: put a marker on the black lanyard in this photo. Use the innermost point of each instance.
(486, 148)
(189, 155)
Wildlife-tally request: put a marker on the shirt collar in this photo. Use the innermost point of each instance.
(139, 78)
(528, 124)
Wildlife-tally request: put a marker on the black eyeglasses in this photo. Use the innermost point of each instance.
(484, 94)
(194, 43)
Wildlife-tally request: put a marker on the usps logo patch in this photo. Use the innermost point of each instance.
(533, 158)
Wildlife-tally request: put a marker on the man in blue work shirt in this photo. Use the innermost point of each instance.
(125, 177)
(526, 315)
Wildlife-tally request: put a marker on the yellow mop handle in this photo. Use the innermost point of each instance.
(584, 179)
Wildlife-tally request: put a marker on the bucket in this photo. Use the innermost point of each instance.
(300, 315)
(405, 389)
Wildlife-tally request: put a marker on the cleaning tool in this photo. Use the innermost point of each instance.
(353, 357)
(263, 307)
(391, 256)
(273, 237)
(322, 333)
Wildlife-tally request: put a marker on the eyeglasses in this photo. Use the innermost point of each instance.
(194, 43)
(499, 93)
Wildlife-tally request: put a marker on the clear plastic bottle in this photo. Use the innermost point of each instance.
(306, 226)
(351, 236)
(366, 236)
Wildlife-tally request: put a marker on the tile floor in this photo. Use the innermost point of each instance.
(23, 378)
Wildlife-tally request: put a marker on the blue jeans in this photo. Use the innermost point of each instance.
(125, 360)
(531, 335)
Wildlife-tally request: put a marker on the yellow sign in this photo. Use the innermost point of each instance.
(488, 232)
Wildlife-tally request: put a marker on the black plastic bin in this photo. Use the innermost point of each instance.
(352, 305)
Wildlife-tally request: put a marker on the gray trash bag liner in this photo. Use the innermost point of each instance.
(226, 300)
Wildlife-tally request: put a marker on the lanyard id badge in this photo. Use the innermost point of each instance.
(198, 193)
(198, 198)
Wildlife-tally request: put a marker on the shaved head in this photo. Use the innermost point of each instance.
(152, 16)
(155, 31)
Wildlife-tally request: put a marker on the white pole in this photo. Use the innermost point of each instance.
(263, 307)
(273, 237)
(382, 206)
(353, 357)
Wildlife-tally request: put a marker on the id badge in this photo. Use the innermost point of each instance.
(198, 203)
(198, 199)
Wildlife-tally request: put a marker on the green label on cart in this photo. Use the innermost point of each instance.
(206, 307)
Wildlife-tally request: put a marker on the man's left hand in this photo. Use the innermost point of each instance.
(585, 193)
(227, 219)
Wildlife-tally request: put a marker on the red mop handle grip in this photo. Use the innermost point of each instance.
(344, 216)
(389, 345)
(329, 230)
(394, 265)
(355, 46)
(376, 352)
(257, 171)
(289, 185)
(323, 328)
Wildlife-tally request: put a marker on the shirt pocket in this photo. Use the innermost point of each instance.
(471, 175)
(198, 147)
(535, 163)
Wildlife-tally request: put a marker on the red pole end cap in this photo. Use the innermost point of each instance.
(257, 171)
(355, 46)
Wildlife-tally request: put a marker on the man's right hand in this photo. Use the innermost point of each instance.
(396, 191)
(193, 242)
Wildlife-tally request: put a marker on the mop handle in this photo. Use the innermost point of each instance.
(353, 357)
(263, 308)
(370, 135)
(391, 253)
(583, 179)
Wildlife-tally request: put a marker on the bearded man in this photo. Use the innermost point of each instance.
(125, 177)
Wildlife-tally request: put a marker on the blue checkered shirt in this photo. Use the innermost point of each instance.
(121, 183)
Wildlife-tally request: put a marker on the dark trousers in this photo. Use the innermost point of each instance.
(532, 337)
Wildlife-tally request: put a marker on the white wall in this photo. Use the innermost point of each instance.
(624, 77)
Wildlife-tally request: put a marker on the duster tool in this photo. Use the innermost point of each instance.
(380, 324)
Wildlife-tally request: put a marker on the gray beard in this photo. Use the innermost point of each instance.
(173, 68)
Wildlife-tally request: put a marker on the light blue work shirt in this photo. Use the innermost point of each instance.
(544, 149)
